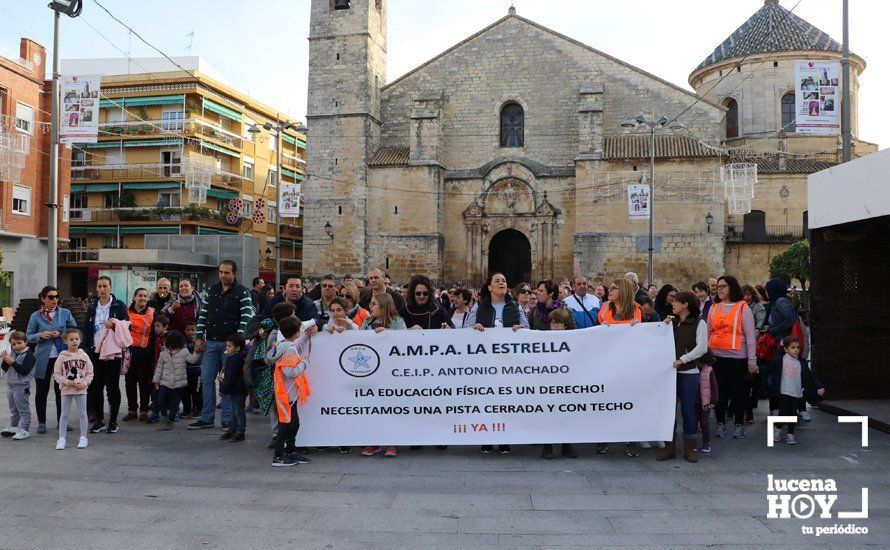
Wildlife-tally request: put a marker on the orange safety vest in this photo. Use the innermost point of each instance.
(140, 327)
(282, 396)
(360, 317)
(605, 315)
(726, 328)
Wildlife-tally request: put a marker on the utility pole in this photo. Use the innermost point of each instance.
(846, 122)
(278, 131)
(52, 224)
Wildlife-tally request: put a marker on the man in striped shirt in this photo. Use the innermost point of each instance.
(226, 311)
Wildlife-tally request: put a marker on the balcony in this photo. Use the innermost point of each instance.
(764, 234)
(118, 172)
(291, 230)
(138, 216)
(78, 255)
(189, 126)
(292, 160)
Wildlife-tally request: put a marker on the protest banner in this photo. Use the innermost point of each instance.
(465, 387)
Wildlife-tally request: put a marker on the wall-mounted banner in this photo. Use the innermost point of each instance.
(290, 200)
(817, 97)
(80, 108)
(638, 201)
(464, 387)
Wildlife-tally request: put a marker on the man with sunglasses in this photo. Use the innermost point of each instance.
(329, 289)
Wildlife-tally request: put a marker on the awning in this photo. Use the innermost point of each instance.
(291, 174)
(301, 144)
(153, 185)
(99, 145)
(291, 243)
(142, 101)
(219, 149)
(221, 110)
(153, 143)
(290, 139)
(92, 229)
(94, 188)
(150, 230)
(221, 194)
(211, 231)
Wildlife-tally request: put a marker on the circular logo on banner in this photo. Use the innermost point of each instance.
(359, 360)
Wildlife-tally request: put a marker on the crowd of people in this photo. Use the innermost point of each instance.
(246, 350)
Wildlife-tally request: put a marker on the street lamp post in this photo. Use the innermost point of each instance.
(278, 129)
(653, 126)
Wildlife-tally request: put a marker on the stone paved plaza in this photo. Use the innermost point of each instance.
(142, 488)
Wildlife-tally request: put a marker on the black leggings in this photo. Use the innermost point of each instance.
(43, 385)
(287, 433)
(788, 407)
(731, 387)
(191, 396)
(107, 376)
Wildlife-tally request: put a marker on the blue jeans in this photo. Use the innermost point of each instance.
(687, 390)
(211, 364)
(239, 419)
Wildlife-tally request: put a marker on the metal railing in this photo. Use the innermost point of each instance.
(117, 172)
(168, 127)
(764, 234)
(297, 159)
(78, 255)
(174, 214)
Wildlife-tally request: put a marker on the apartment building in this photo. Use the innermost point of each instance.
(25, 104)
(164, 130)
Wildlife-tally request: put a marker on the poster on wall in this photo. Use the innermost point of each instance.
(290, 200)
(80, 108)
(638, 201)
(818, 97)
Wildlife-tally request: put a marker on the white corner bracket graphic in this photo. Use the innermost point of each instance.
(770, 426)
(861, 420)
(863, 511)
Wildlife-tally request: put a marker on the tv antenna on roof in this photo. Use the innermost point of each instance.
(188, 47)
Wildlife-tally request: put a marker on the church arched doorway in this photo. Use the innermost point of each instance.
(510, 252)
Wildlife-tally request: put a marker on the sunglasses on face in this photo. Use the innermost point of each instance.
(327, 286)
(524, 290)
(52, 296)
(421, 293)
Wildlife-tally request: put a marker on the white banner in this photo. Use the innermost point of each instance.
(817, 97)
(638, 201)
(290, 200)
(464, 387)
(80, 108)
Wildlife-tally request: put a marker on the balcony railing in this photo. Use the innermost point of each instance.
(78, 255)
(176, 214)
(764, 234)
(291, 230)
(295, 160)
(117, 172)
(170, 126)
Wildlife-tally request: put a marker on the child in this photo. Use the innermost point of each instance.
(19, 369)
(73, 373)
(560, 319)
(232, 384)
(290, 389)
(706, 401)
(339, 320)
(790, 379)
(162, 322)
(170, 375)
(191, 396)
(647, 307)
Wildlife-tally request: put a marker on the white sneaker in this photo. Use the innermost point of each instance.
(777, 435)
(23, 434)
(60, 444)
(774, 412)
(9, 431)
(790, 439)
(659, 444)
(82, 444)
(721, 430)
(645, 445)
(805, 416)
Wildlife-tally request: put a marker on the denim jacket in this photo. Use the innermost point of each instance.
(62, 321)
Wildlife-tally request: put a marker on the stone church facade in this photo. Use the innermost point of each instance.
(505, 153)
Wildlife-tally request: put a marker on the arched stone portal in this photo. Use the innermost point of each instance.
(510, 252)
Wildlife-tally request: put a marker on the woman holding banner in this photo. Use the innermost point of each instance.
(497, 309)
(548, 300)
(691, 344)
(421, 309)
(383, 316)
(621, 309)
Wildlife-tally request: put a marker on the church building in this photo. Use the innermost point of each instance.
(459, 168)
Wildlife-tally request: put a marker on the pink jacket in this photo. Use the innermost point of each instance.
(78, 366)
(708, 385)
(112, 342)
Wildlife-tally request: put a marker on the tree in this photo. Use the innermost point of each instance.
(794, 263)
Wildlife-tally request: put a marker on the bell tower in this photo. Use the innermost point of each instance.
(347, 68)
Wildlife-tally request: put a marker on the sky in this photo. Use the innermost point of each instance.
(261, 46)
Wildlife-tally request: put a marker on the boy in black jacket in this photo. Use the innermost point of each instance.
(232, 384)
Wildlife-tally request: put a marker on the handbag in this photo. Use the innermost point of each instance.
(766, 347)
